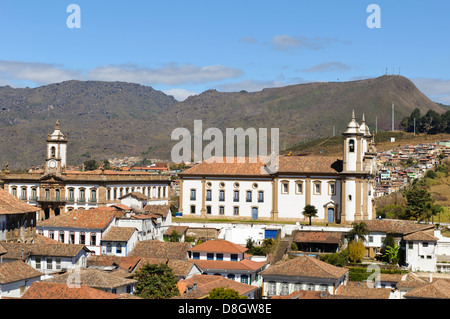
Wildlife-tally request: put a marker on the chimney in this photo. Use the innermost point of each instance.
(431, 277)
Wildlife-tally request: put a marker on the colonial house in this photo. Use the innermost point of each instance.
(199, 287)
(119, 241)
(106, 281)
(342, 189)
(16, 277)
(159, 249)
(182, 269)
(17, 219)
(420, 251)
(56, 189)
(47, 258)
(302, 273)
(224, 258)
(85, 227)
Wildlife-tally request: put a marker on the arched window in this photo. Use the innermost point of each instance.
(119, 248)
(53, 151)
(351, 146)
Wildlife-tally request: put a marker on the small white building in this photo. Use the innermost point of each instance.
(420, 252)
(119, 241)
(16, 277)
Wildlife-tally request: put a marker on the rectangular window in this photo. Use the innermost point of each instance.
(236, 210)
(24, 194)
(299, 188)
(93, 196)
(370, 239)
(33, 193)
(317, 188)
(221, 210)
(234, 257)
(260, 196)
(38, 262)
(47, 194)
(425, 244)
(219, 256)
(210, 256)
(410, 245)
(249, 196)
(332, 189)
(208, 195)
(71, 195)
(222, 196)
(49, 263)
(58, 263)
(285, 188)
(195, 255)
(61, 236)
(82, 238)
(82, 195)
(192, 209)
(14, 191)
(192, 194)
(72, 237)
(236, 196)
(208, 210)
(93, 239)
(51, 234)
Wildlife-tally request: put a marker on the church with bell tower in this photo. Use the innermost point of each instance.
(55, 189)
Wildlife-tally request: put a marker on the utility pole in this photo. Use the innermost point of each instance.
(376, 124)
(392, 116)
(414, 126)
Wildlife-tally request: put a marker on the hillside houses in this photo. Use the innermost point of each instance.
(399, 166)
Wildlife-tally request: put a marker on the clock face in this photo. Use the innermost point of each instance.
(52, 164)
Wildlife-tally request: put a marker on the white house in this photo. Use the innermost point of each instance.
(342, 189)
(47, 258)
(221, 257)
(119, 241)
(421, 251)
(302, 273)
(84, 227)
(16, 277)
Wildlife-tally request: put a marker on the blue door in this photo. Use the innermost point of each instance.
(254, 212)
(331, 215)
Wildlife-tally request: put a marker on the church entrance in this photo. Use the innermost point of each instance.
(331, 215)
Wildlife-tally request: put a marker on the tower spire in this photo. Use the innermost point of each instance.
(57, 125)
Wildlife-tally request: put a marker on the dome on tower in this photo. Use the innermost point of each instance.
(57, 134)
(364, 128)
(352, 126)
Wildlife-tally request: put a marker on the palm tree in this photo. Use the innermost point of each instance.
(310, 211)
(359, 230)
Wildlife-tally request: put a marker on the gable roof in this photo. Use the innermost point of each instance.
(94, 278)
(305, 266)
(50, 290)
(127, 263)
(34, 249)
(158, 249)
(361, 290)
(10, 204)
(181, 268)
(324, 237)
(243, 265)
(420, 236)
(205, 283)
(17, 270)
(91, 218)
(403, 227)
(220, 246)
(119, 233)
(438, 289)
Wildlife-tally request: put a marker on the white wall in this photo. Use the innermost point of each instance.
(421, 258)
(13, 289)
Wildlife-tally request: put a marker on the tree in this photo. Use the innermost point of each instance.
(174, 236)
(155, 281)
(310, 211)
(358, 231)
(391, 253)
(356, 250)
(90, 165)
(419, 203)
(224, 293)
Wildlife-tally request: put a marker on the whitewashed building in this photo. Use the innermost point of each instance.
(341, 189)
(421, 251)
(16, 277)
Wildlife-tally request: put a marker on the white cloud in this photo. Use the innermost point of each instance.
(286, 42)
(328, 66)
(180, 94)
(171, 74)
(18, 73)
(248, 40)
(437, 90)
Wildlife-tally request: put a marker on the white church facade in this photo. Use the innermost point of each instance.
(341, 189)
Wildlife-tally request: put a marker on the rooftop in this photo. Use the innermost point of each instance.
(10, 204)
(17, 270)
(92, 218)
(49, 290)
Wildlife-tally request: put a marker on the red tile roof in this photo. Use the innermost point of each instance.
(438, 289)
(48, 290)
(220, 246)
(10, 204)
(17, 270)
(91, 218)
(245, 264)
(420, 236)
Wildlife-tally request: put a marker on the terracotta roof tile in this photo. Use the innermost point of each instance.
(127, 263)
(438, 289)
(17, 270)
(119, 233)
(181, 268)
(420, 236)
(48, 290)
(10, 204)
(205, 283)
(159, 249)
(36, 249)
(305, 266)
(318, 237)
(219, 245)
(396, 226)
(361, 290)
(91, 218)
(245, 264)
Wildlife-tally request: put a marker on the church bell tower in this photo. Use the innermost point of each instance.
(55, 162)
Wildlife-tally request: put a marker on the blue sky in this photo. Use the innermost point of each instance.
(192, 46)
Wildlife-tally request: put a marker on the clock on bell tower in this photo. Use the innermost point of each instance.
(55, 162)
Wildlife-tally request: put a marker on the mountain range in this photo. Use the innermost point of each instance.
(117, 119)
